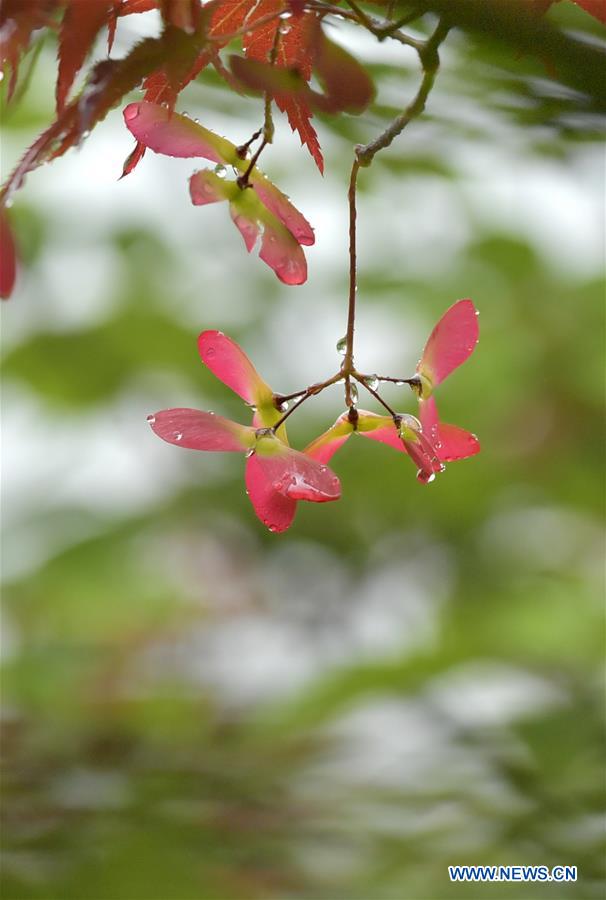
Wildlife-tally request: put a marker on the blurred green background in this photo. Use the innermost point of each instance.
(409, 678)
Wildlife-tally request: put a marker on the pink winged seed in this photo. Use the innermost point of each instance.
(324, 447)
(275, 510)
(206, 187)
(451, 342)
(231, 365)
(167, 132)
(283, 254)
(197, 430)
(279, 204)
(450, 441)
(248, 227)
(385, 433)
(455, 443)
(299, 477)
(423, 454)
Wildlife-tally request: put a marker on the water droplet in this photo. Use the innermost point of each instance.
(399, 383)
(284, 28)
(249, 453)
(1, 76)
(185, 115)
(220, 171)
(273, 528)
(8, 203)
(252, 407)
(372, 381)
(131, 112)
(178, 435)
(426, 477)
(210, 412)
(287, 14)
(210, 352)
(283, 406)
(353, 395)
(151, 419)
(342, 345)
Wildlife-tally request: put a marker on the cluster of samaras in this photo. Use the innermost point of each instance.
(283, 43)
(277, 476)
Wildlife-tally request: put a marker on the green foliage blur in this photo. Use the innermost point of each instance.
(407, 679)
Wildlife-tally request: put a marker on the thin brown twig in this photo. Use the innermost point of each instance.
(242, 181)
(377, 396)
(348, 360)
(414, 379)
(304, 395)
(379, 29)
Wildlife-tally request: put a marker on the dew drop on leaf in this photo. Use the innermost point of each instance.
(131, 112)
(372, 381)
(342, 345)
(287, 14)
(248, 455)
(425, 477)
(282, 407)
(353, 394)
(284, 28)
(151, 419)
(220, 171)
(178, 435)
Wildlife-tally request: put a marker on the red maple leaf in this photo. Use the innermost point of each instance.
(79, 28)
(18, 21)
(292, 38)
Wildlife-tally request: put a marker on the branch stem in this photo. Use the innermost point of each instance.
(347, 368)
(414, 379)
(430, 62)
